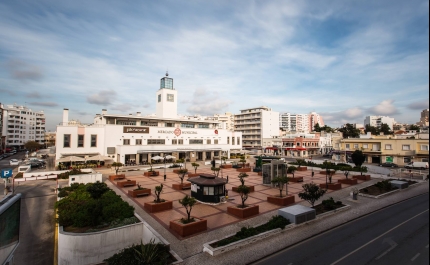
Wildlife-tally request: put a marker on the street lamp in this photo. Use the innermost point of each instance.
(312, 168)
(326, 173)
(164, 167)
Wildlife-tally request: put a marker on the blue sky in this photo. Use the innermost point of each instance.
(343, 59)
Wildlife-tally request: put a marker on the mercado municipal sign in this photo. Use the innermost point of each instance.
(176, 132)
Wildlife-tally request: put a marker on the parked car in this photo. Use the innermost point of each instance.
(388, 164)
(1, 157)
(417, 165)
(14, 162)
(35, 164)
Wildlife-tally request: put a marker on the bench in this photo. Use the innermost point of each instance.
(186, 187)
(142, 194)
(128, 184)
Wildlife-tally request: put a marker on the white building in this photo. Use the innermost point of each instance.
(255, 124)
(226, 120)
(376, 121)
(300, 123)
(137, 138)
(21, 124)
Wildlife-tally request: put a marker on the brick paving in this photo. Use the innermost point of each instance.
(217, 215)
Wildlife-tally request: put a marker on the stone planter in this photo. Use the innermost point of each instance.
(284, 201)
(362, 177)
(244, 212)
(295, 180)
(116, 177)
(243, 170)
(193, 175)
(128, 183)
(176, 171)
(348, 181)
(184, 230)
(151, 173)
(138, 193)
(330, 173)
(302, 168)
(332, 186)
(260, 173)
(154, 207)
(183, 186)
(226, 166)
(251, 188)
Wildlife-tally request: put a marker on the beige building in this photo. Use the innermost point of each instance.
(381, 149)
(50, 138)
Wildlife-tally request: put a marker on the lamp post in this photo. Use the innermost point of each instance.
(312, 168)
(164, 167)
(326, 173)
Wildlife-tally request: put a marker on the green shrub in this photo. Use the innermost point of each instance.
(384, 185)
(62, 193)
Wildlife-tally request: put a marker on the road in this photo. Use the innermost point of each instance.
(398, 234)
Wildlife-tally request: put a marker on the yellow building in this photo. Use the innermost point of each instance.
(381, 149)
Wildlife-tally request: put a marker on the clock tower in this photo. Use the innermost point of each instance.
(167, 99)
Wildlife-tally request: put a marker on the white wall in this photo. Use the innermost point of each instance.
(86, 178)
(269, 124)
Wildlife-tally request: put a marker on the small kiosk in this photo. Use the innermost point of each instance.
(208, 188)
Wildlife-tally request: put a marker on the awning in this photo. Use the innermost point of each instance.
(295, 149)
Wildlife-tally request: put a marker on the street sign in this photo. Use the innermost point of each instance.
(6, 173)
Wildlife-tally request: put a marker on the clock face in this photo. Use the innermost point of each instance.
(170, 97)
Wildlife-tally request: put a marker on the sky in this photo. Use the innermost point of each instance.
(342, 59)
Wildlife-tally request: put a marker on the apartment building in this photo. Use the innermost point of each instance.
(226, 120)
(315, 118)
(377, 121)
(424, 119)
(255, 124)
(301, 145)
(50, 138)
(137, 138)
(21, 124)
(301, 123)
(380, 149)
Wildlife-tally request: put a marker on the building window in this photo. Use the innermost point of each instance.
(170, 97)
(174, 141)
(347, 146)
(365, 146)
(196, 141)
(355, 146)
(187, 125)
(156, 141)
(406, 160)
(388, 147)
(208, 141)
(204, 126)
(406, 147)
(216, 141)
(66, 140)
(93, 140)
(80, 140)
(123, 122)
(169, 124)
(126, 141)
(424, 147)
(232, 141)
(138, 141)
(238, 140)
(159, 98)
(228, 140)
(180, 141)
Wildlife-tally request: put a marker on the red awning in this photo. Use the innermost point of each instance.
(295, 148)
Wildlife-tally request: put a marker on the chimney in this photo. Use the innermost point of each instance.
(65, 116)
(104, 111)
(138, 114)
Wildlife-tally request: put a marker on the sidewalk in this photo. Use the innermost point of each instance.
(190, 249)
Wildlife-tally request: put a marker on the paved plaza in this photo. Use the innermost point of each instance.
(217, 215)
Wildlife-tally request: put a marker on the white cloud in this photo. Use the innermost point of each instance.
(207, 103)
(103, 97)
(386, 107)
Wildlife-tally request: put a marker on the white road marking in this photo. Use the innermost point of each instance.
(416, 256)
(393, 245)
(371, 241)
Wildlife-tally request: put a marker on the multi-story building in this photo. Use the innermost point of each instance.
(377, 121)
(2, 144)
(315, 118)
(21, 124)
(226, 120)
(50, 139)
(379, 149)
(137, 138)
(300, 123)
(255, 124)
(424, 119)
(301, 145)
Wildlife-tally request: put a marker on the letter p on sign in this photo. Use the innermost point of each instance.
(6, 173)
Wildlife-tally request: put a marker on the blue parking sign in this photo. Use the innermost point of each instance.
(6, 173)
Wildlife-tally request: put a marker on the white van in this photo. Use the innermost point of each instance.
(417, 165)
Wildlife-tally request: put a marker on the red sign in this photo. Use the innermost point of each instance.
(216, 131)
(177, 131)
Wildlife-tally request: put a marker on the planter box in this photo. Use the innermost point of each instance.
(154, 207)
(138, 193)
(260, 173)
(332, 186)
(251, 188)
(184, 186)
(244, 212)
(193, 175)
(226, 166)
(184, 230)
(302, 168)
(176, 171)
(330, 173)
(128, 183)
(298, 179)
(244, 170)
(348, 181)
(284, 201)
(360, 177)
(116, 177)
(151, 173)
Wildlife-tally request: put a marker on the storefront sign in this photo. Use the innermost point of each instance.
(389, 159)
(176, 132)
(136, 129)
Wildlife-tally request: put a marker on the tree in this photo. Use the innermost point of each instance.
(385, 129)
(157, 191)
(242, 177)
(116, 166)
(372, 129)
(328, 129)
(346, 171)
(414, 127)
(97, 189)
(317, 128)
(300, 162)
(195, 166)
(32, 146)
(224, 158)
(358, 159)
(312, 193)
(188, 203)
(215, 170)
(280, 181)
(243, 192)
(182, 173)
(243, 161)
(180, 162)
(291, 170)
(349, 131)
